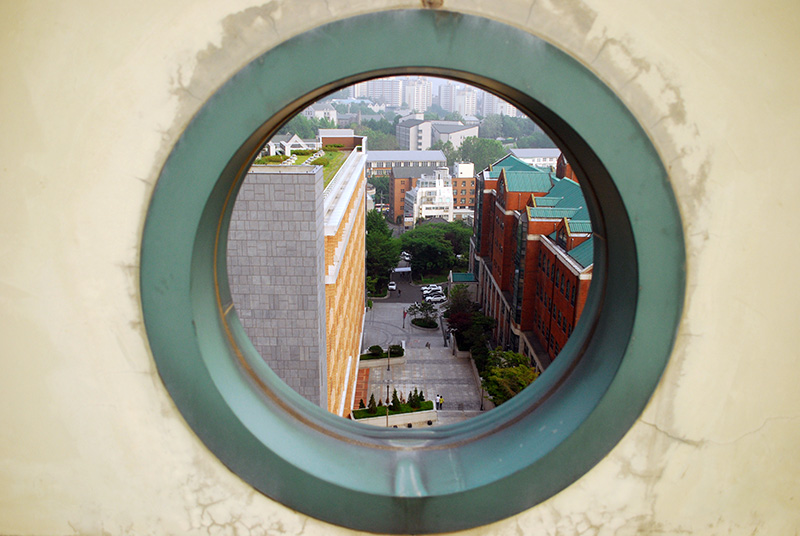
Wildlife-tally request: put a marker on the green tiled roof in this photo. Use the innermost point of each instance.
(584, 253)
(547, 201)
(510, 163)
(580, 226)
(528, 181)
(463, 277)
(551, 212)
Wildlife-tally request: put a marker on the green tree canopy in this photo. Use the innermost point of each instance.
(506, 374)
(377, 140)
(423, 309)
(503, 383)
(383, 251)
(304, 127)
(491, 127)
(481, 152)
(381, 184)
(450, 152)
(536, 140)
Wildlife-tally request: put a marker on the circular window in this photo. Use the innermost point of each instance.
(434, 479)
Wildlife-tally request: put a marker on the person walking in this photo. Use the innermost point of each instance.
(436, 402)
(441, 402)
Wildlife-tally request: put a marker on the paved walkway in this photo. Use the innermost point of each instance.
(433, 370)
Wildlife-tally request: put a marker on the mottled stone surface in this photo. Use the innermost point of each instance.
(276, 272)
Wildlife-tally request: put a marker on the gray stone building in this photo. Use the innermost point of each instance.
(276, 270)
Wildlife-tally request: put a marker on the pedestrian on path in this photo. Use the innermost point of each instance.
(436, 403)
(428, 345)
(441, 402)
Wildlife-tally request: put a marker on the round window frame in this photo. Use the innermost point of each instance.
(438, 479)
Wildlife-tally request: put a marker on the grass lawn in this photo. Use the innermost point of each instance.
(329, 171)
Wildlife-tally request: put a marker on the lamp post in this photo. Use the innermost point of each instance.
(387, 404)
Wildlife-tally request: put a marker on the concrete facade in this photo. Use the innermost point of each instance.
(276, 273)
(296, 271)
(91, 441)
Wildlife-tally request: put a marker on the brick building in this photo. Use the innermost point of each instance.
(380, 163)
(402, 180)
(532, 256)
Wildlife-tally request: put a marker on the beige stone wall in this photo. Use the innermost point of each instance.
(345, 305)
(96, 94)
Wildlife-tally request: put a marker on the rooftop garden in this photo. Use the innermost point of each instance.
(331, 160)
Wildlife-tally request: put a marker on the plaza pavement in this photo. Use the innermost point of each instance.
(433, 370)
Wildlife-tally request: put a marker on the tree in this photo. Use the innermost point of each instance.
(459, 301)
(536, 140)
(378, 140)
(381, 184)
(424, 309)
(450, 152)
(453, 116)
(506, 374)
(431, 252)
(372, 408)
(458, 234)
(304, 127)
(503, 383)
(481, 152)
(383, 251)
(395, 405)
(491, 127)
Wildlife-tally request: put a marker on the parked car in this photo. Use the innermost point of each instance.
(431, 288)
(436, 298)
(392, 285)
(405, 256)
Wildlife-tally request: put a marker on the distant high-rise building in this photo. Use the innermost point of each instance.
(418, 95)
(388, 91)
(494, 105)
(458, 98)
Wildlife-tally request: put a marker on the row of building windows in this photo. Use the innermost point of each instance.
(568, 290)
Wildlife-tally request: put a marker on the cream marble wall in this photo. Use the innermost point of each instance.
(93, 96)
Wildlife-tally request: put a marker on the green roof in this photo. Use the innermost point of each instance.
(464, 277)
(551, 212)
(547, 201)
(528, 181)
(584, 253)
(580, 226)
(510, 163)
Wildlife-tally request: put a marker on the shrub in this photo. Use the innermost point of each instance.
(372, 408)
(395, 405)
(424, 323)
(303, 152)
(320, 161)
(375, 350)
(271, 158)
(361, 402)
(332, 147)
(396, 350)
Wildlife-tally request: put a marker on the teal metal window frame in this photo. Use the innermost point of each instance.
(443, 478)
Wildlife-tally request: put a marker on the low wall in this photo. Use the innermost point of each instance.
(418, 419)
(375, 363)
(460, 353)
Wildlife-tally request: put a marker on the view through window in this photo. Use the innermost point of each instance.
(411, 251)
